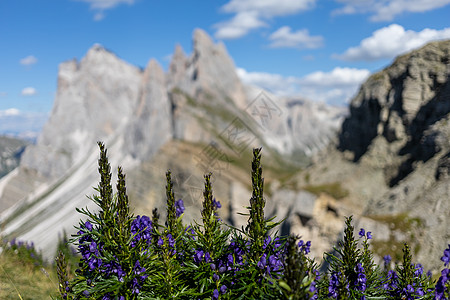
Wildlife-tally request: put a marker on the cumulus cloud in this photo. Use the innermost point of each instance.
(9, 112)
(28, 61)
(101, 5)
(29, 91)
(239, 25)
(336, 86)
(391, 41)
(388, 9)
(253, 14)
(285, 38)
(105, 4)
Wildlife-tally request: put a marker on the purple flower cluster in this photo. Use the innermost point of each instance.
(444, 279)
(361, 279)
(392, 285)
(179, 208)
(200, 256)
(304, 247)
(169, 242)
(89, 249)
(139, 278)
(333, 286)
(271, 260)
(362, 233)
(141, 229)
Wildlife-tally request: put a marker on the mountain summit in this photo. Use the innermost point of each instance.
(151, 121)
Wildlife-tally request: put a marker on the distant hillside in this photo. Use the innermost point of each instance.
(11, 150)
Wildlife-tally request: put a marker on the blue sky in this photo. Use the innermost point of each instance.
(317, 49)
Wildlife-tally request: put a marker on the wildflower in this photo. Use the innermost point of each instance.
(215, 294)
(304, 247)
(223, 289)
(369, 235)
(361, 278)
(262, 262)
(362, 232)
(198, 256)
(333, 286)
(179, 208)
(216, 204)
(446, 257)
(88, 225)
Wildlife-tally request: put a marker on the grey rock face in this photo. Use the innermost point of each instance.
(399, 127)
(400, 104)
(151, 125)
(94, 101)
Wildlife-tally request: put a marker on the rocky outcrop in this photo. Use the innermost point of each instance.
(94, 101)
(393, 155)
(399, 104)
(152, 111)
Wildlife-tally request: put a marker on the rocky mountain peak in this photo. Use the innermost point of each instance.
(208, 62)
(400, 103)
(177, 66)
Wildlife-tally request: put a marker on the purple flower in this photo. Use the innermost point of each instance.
(446, 257)
(216, 204)
(215, 294)
(179, 208)
(198, 256)
(361, 278)
(304, 247)
(369, 235)
(333, 285)
(141, 229)
(262, 262)
(223, 289)
(88, 225)
(362, 232)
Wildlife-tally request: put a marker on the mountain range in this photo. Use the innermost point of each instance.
(195, 118)
(386, 160)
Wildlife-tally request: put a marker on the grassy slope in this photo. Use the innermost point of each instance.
(20, 276)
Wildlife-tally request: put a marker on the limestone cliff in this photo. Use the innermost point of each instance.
(392, 155)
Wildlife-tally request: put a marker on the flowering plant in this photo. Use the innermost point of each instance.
(126, 257)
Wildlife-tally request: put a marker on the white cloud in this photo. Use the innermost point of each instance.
(252, 14)
(338, 77)
(337, 86)
(239, 25)
(29, 91)
(101, 5)
(387, 10)
(9, 112)
(28, 61)
(106, 4)
(391, 41)
(285, 38)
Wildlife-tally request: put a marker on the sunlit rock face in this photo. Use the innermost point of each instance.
(151, 121)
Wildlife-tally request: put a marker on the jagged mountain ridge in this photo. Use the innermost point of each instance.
(143, 116)
(392, 155)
